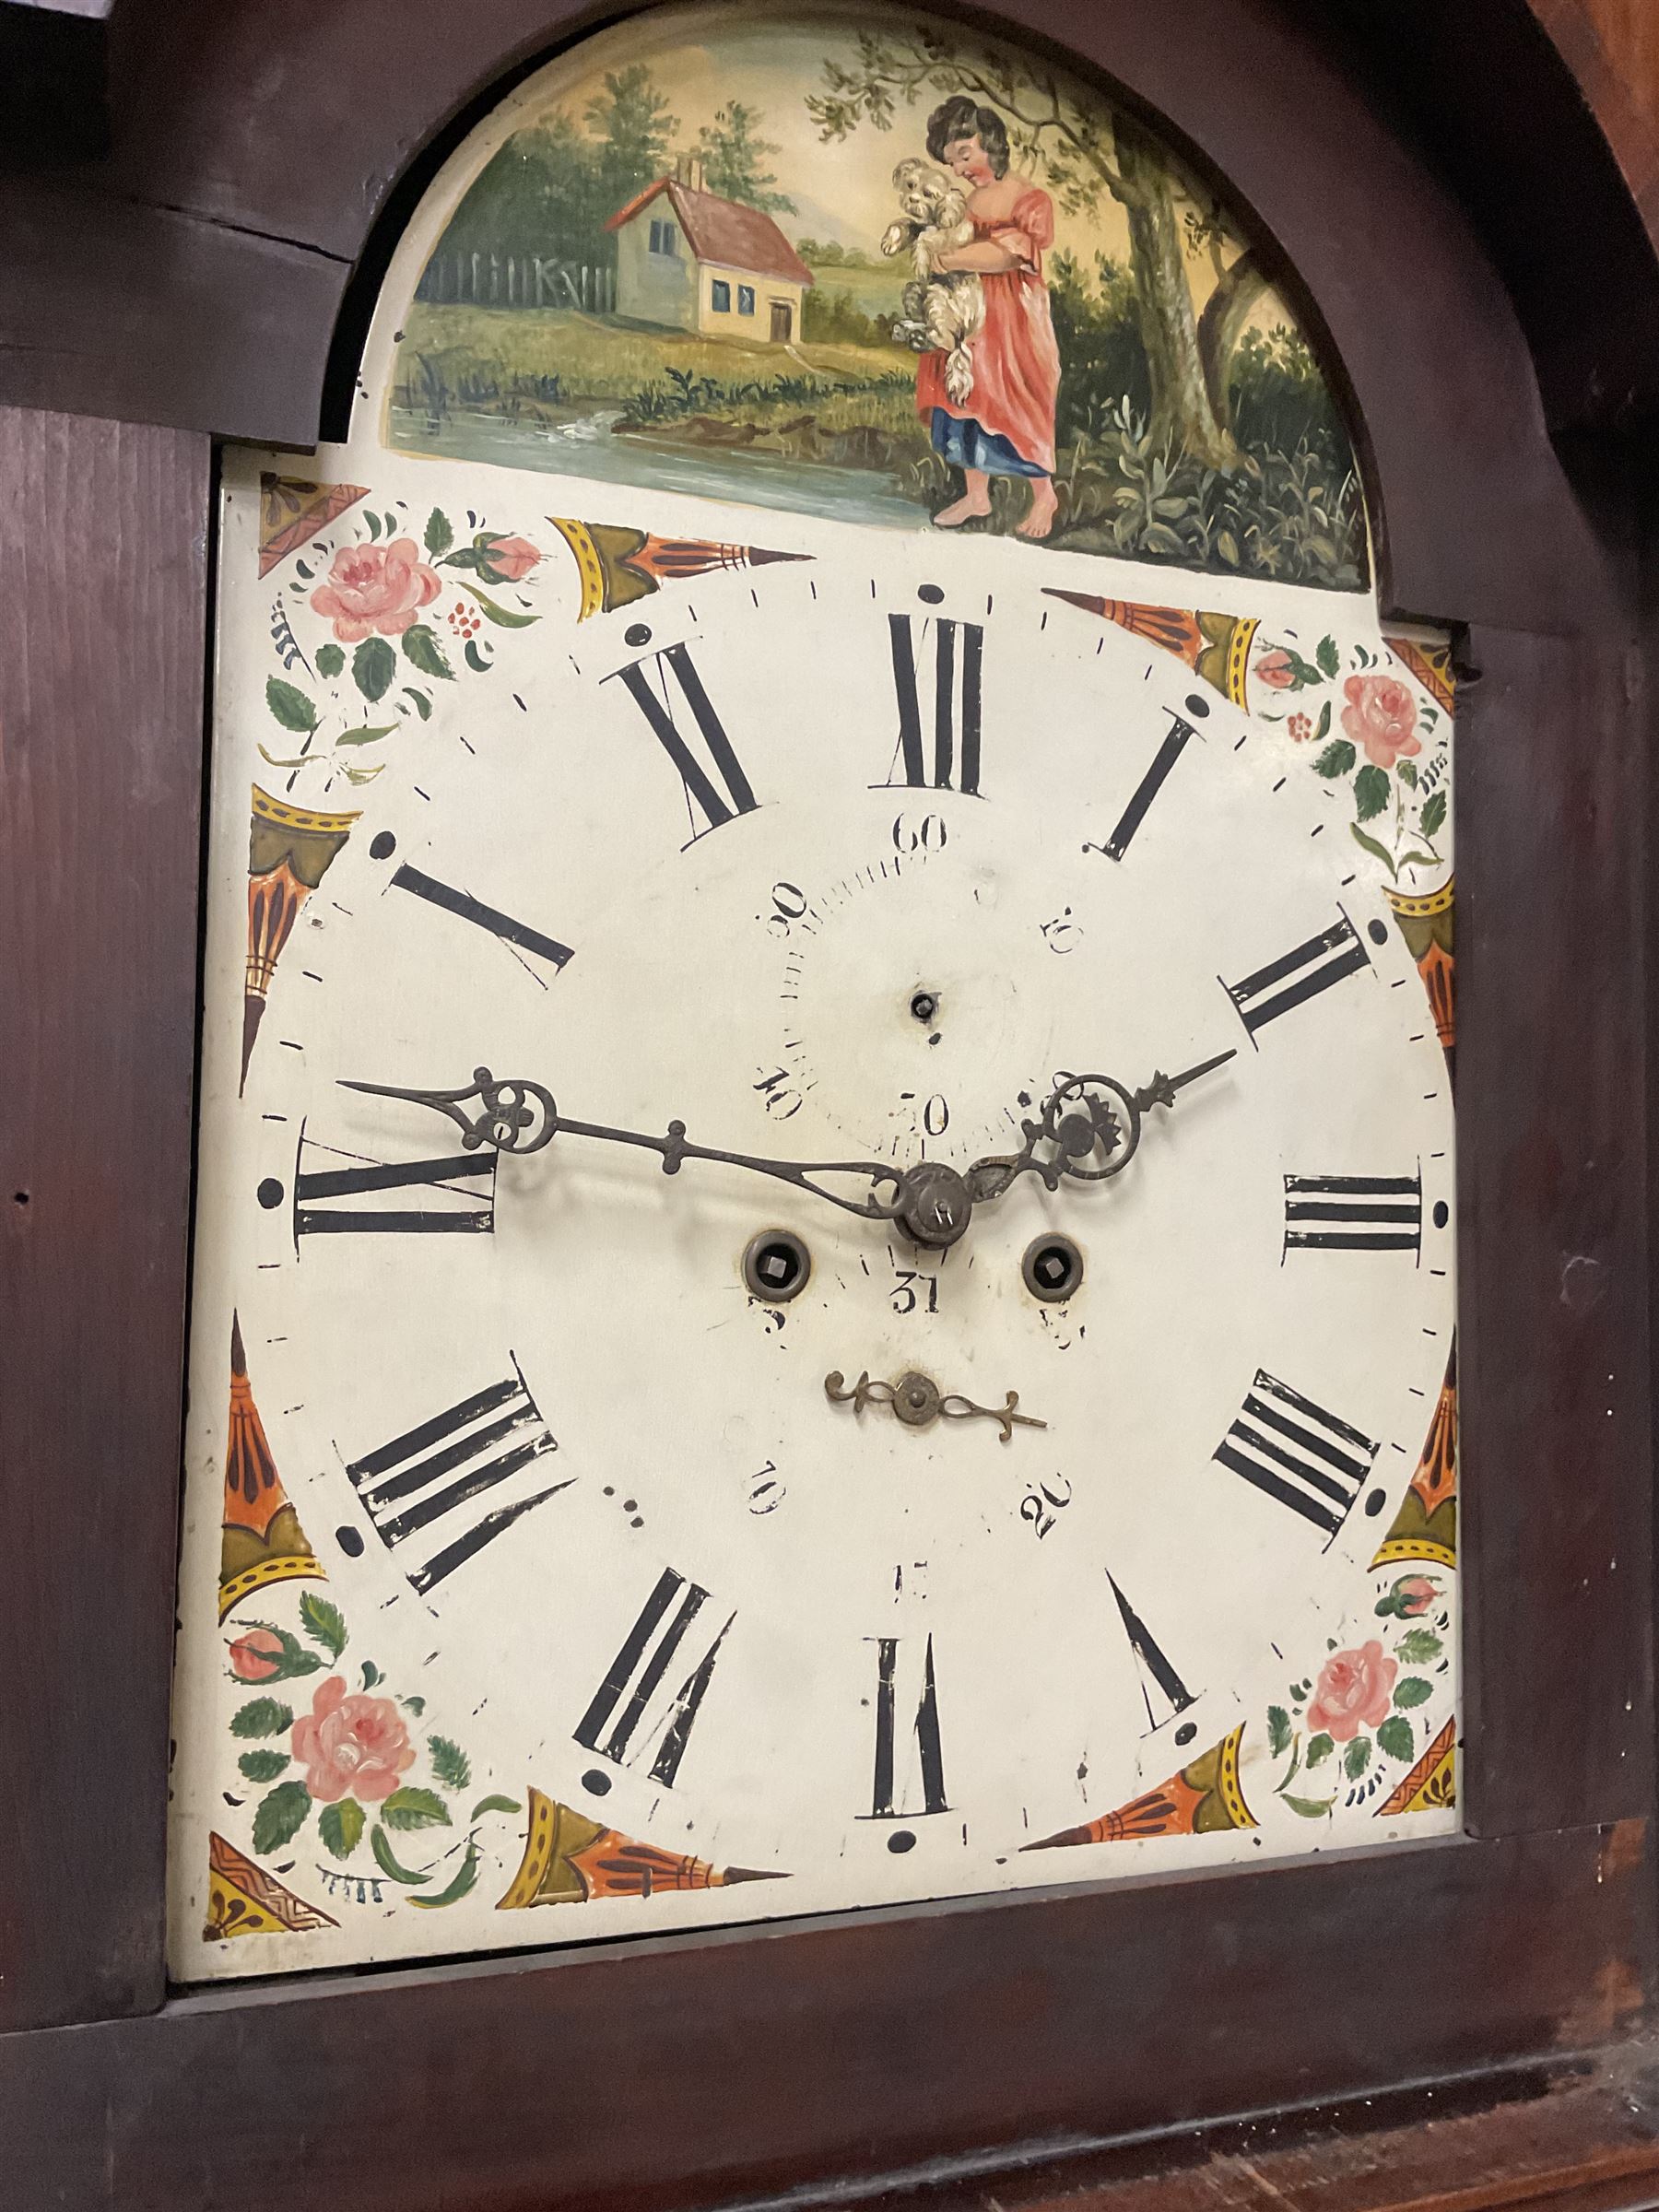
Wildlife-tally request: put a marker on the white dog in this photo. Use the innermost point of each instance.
(943, 308)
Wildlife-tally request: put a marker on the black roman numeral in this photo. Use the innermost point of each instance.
(1156, 1672)
(1296, 1454)
(426, 1478)
(719, 791)
(895, 1788)
(958, 653)
(630, 1713)
(461, 1200)
(1296, 977)
(1353, 1213)
(1151, 784)
(518, 933)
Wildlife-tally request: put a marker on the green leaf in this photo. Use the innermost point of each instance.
(362, 775)
(440, 537)
(422, 649)
(502, 615)
(1371, 845)
(415, 1705)
(261, 1716)
(330, 660)
(373, 520)
(373, 666)
(341, 1827)
(281, 1815)
(493, 1804)
(1394, 1736)
(1321, 728)
(1370, 791)
(372, 1673)
(1420, 1645)
(382, 1848)
(1304, 672)
(292, 708)
(423, 705)
(1326, 654)
(1278, 1731)
(475, 658)
(466, 1876)
(1357, 1758)
(293, 1659)
(415, 1808)
(1407, 771)
(1434, 812)
(263, 1766)
(450, 1763)
(1320, 1747)
(1310, 1809)
(323, 1623)
(1227, 544)
(1336, 759)
(1414, 1690)
(279, 761)
(367, 736)
(1416, 860)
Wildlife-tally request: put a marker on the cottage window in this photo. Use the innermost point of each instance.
(746, 298)
(664, 238)
(720, 295)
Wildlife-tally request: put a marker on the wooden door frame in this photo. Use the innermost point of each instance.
(676, 2071)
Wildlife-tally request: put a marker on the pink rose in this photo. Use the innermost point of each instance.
(376, 588)
(512, 558)
(1278, 669)
(256, 1655)
(1415, 1594)
(1380, 717)
(1354, 1691)
(357, 1745)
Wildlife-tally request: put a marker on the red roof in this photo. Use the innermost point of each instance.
(723, 231)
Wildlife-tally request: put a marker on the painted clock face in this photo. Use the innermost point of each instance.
(830, 1205)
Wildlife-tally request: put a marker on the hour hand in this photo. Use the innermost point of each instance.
(516, 1115)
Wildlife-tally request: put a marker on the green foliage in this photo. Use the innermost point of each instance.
(281, 1815)
(387, 1860)
(439, 536)
(322, 1621)
(421, 647)
(415, 1808)
(261, 1716)
(732, 157)
(341, 1827)
(373, 666)
(1370, 791)
(835, 318)
(494, 1805)
(1434, 812)
(1394, 1736)
(1278, 1731)
(1414, 1690)
(261, 1766)
(289, 705)
(1336, 759)
(330, 660)
(1320, 1747)
(450, 1763)
(293, 1658)
(1328, 658)
(1357, 1758)
(465, 1875)
(1310, 1809)
(1417, 1646)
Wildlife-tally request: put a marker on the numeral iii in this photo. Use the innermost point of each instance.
(1353, 1213)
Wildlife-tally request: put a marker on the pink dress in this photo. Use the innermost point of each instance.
(1006, 423)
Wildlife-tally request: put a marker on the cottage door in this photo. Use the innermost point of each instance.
(780, 323)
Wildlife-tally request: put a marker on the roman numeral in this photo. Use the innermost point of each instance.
(1353, 1213)
(1296, 1454)
(633, 1709)
(958, 652)
(1156, 1672)
(461, 1200)
(904, 1682)
(429, 1476)
(719, 791)
(1298, 976)
(1150, 784)
(517, 933)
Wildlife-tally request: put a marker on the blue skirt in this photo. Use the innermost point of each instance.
(963, 441)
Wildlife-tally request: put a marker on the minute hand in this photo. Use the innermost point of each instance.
(516, 1115)
(1088, 1128)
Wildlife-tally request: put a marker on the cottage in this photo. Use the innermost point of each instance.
(690, 259)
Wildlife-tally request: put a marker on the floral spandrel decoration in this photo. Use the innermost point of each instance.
(1353, 1729)
(357, 1761)
(371, 626)
(1375, 733)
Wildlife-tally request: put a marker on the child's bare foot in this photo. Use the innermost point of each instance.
(1039, 521)
(962, 511)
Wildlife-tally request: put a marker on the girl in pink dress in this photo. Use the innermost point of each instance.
(1006, 427)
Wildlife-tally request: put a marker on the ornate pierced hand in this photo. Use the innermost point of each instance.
(1081, 1136)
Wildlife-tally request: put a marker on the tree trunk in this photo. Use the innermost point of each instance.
(1221, 326)
(1183, 411)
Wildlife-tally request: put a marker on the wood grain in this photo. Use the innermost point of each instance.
(103, 550)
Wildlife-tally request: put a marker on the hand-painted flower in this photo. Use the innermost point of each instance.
(1300, 727)
(1278, 669)
(255, 1655)
(511, 558)
(1353, 1692)
(355, 1746)
(1380, 717)
(1414, 1594)
(374, 588)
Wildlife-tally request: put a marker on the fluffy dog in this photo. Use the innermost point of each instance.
(943, 308)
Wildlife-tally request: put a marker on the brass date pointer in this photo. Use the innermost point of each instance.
(917, 1400)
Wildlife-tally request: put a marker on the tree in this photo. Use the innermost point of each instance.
(1083, 150)
(630, 121)
(732, 158)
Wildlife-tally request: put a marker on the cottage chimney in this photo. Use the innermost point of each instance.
(688, 169)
